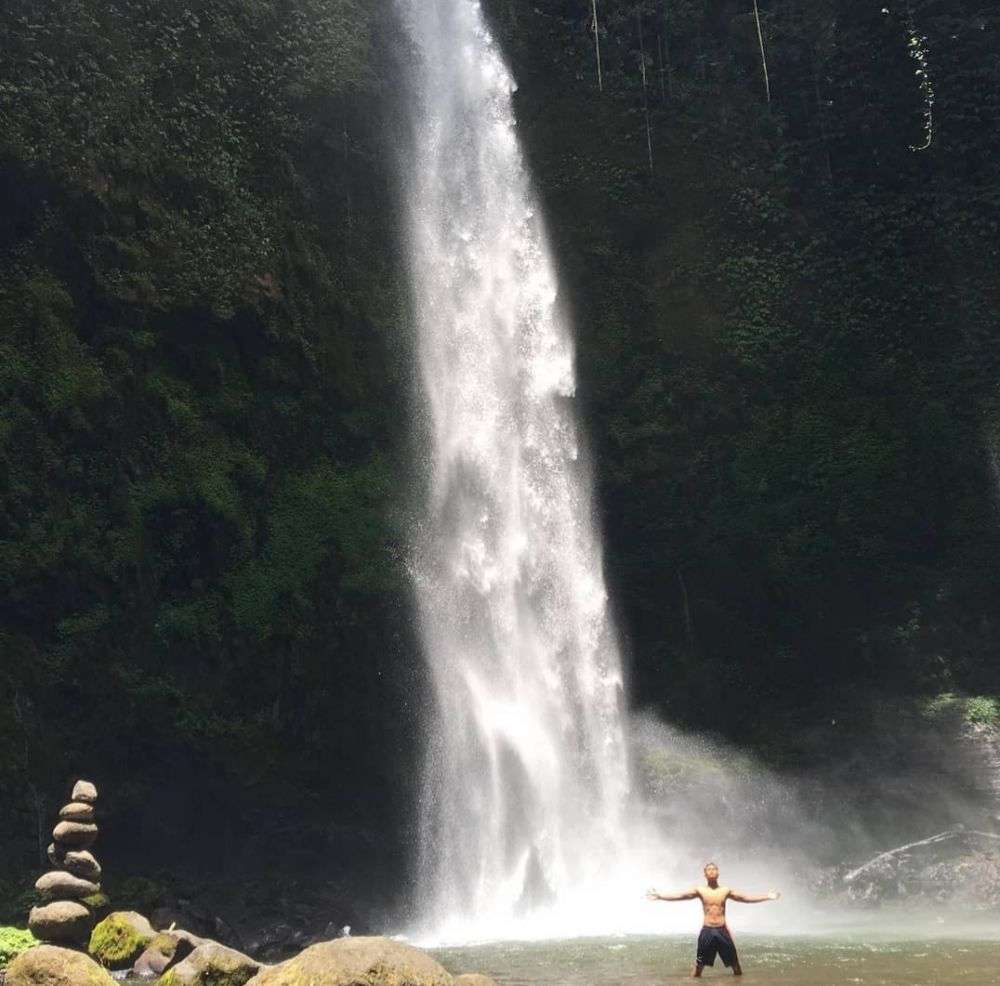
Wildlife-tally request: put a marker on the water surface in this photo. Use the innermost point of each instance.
(793, 961)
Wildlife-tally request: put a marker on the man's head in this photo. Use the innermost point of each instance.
(711, 872)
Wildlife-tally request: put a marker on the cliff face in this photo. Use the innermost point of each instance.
(785, 338)
(787, 360)
(203, 361)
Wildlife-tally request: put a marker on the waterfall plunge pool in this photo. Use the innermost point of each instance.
(849, 959)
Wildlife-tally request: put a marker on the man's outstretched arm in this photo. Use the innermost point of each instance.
(653, 894)
(753, 898)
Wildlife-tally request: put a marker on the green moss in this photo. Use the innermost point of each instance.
(98, 904)
(116, 944)
(982, 709)
(979, 709)
(14, 941)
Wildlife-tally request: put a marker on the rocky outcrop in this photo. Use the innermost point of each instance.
(48, 965)
(71, 890)
(120, 939)
(474, 979)
(350, 961)
(212, 964)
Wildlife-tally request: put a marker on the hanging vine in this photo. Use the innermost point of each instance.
(763, 55)
(918, 50)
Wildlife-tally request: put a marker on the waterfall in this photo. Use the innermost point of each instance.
(526, 779)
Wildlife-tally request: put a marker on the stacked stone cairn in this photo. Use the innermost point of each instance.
(71, 891)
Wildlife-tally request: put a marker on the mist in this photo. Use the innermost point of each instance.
(899, 776)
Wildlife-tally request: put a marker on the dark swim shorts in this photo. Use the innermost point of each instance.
(715, 941)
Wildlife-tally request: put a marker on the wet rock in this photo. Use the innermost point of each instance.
(62, 921)
(48, 965)
(212, 964)
(279, 942)
(56, 854)
(76, 835)
(350, 961)
(165, 950)
(84, 791)
(120, 939)
(60, 885)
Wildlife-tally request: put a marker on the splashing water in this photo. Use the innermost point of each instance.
(526, 778)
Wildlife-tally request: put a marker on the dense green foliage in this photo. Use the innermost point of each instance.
(788, 374)
(788, 337)
(14, 941)
(202, 605)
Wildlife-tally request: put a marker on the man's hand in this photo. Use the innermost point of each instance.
(651, 894)
(773, 895)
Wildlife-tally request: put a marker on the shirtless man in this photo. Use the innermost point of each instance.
(715, 938)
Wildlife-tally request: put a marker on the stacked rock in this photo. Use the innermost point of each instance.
(64, 917)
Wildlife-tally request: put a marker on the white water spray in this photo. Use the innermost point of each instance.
(526, 779)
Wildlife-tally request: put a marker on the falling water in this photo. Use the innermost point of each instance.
(526, 776)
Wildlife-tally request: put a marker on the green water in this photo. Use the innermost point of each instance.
(645, 961)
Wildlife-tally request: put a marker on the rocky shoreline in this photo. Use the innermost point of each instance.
(176, 958)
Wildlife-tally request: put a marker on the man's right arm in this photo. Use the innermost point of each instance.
(652, 894)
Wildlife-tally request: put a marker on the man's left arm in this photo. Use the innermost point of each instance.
(753, 898)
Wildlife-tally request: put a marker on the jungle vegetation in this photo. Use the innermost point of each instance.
(784, 289)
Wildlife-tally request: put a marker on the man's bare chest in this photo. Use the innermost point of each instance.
(714, 897)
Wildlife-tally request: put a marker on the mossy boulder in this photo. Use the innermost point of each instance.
(14, 941)
(357, 962)
(212, 964)
(49, 965)
(120, 939)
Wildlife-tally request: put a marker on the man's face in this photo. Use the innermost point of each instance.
(711, 872)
